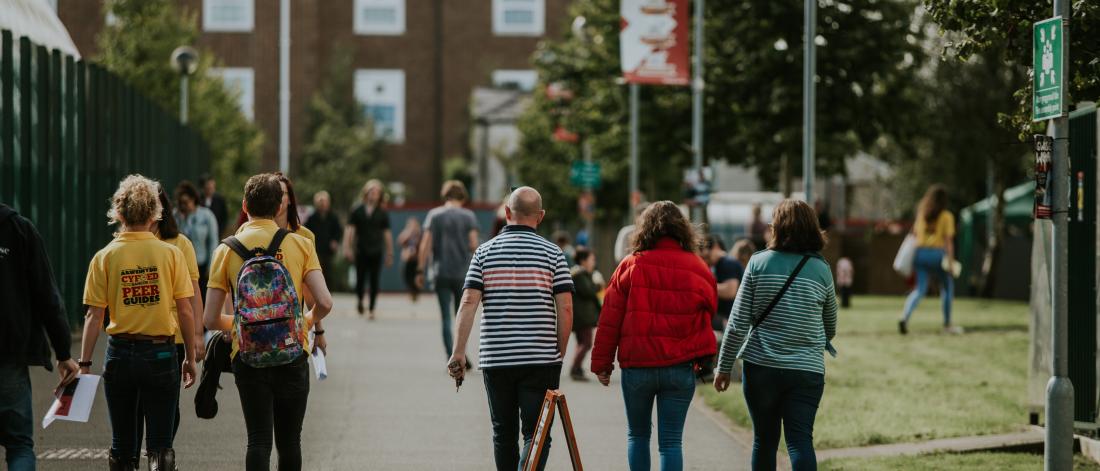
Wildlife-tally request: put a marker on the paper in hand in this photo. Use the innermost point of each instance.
(319, 364)
(75, 401)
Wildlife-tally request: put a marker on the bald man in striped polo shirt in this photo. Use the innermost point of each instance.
(524, 284)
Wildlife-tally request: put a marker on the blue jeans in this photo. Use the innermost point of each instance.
(673, 387)
(449, 292)
(145, 370)
(928, 262)
(16, 416)
(782, 400)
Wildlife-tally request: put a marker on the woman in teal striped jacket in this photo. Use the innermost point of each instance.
(784, 370)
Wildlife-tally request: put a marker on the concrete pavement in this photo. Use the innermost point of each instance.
(388, 405)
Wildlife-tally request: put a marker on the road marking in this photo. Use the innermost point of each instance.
(74, 454)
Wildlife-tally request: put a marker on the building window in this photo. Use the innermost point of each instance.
(227, 15)
(381, 17)
(382, 95)
(515, 79)
(519, 17)
(239, 81)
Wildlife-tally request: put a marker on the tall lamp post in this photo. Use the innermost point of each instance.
(185, 60)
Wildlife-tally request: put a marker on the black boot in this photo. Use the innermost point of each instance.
(115, 463)
(162, 460)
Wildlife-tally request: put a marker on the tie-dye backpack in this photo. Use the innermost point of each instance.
(267, 315)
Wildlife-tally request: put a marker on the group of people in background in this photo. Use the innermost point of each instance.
(677, 303)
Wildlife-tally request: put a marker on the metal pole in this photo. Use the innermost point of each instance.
(183, 98)
(483, 163)
(697, 86)
(586, 148)
(284, 86)
(634, 89)
(809, 67)
(1058, 453)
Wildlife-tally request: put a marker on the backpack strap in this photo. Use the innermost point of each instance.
(276, 242)
(238, 248)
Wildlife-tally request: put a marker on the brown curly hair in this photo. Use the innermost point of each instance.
(663, 219)
(795, 228)
(135, 202)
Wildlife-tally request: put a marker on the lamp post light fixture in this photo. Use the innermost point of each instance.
(185, 60)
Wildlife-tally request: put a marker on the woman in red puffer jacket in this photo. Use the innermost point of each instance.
(657, 313)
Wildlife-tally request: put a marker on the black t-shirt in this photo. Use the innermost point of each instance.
(726, 269)
(369, 229)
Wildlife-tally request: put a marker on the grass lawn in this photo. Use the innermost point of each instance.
(888, 388)
(997, 461)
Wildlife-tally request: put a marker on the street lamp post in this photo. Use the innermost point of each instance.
(185, 60)
(808, 100)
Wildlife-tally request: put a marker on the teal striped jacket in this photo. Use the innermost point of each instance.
(794, 335)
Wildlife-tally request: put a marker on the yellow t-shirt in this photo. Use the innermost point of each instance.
(308, 234)
(184, 244)
(938, 237)
(296, 252)
(138, 278)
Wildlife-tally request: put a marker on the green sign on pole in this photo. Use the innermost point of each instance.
(585, 174)
(1048, 79)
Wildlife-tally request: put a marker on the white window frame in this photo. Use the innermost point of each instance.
(538, 14)
(231, 76)
(362, 28)
(394, 80)
(525, 78)
(245, 24)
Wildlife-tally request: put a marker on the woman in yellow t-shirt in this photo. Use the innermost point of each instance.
(935, 233)
(139, 278)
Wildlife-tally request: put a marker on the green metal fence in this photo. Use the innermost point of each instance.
(69, 131)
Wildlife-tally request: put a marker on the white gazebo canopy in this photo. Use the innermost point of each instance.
(36, 20)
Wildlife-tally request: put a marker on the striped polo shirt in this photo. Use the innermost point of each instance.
(518, 273)
(794, 335)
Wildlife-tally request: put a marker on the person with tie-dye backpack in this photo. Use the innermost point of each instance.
(267, 269)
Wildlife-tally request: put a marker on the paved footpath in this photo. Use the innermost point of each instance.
(387, 405)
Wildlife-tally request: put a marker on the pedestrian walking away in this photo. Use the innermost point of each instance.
(199, 225)
(586, 308)
(368, 242)
(266, 267)
(214, 201)
(786, 312)
(656, 319)
(325, 226)
(845, 276)
(450, 237)
(522, 282)
(727, 272)
(409, 240)
(934, 229)
(138, 278)
(166, 230)
(33, 311)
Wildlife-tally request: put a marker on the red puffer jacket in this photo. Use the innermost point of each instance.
(657, 310)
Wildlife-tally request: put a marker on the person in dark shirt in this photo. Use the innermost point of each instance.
(214, 201)
(326, 228)
(368, 242)
(32, 312)
(728, 273)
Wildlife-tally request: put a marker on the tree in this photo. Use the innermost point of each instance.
(341, 151)
(1006, 28)
(137, 48)
(867, 58)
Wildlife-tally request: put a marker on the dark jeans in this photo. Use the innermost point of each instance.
(145, 370)
(273, 400)
(139, 415)
(518, 389)
(16, 416)
(410, 276)
(367, 269)
(845, 296)
(449, 293)
(672, 387)
(204, 278)
(782, 397)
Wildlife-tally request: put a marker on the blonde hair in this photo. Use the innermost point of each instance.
(372, 184)
(136, 201)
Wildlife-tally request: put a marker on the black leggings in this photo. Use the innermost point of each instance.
(273, 401)
(367, 266)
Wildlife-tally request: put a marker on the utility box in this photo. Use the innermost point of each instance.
(1082, 278)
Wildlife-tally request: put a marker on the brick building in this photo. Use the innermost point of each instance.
(417, 63)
